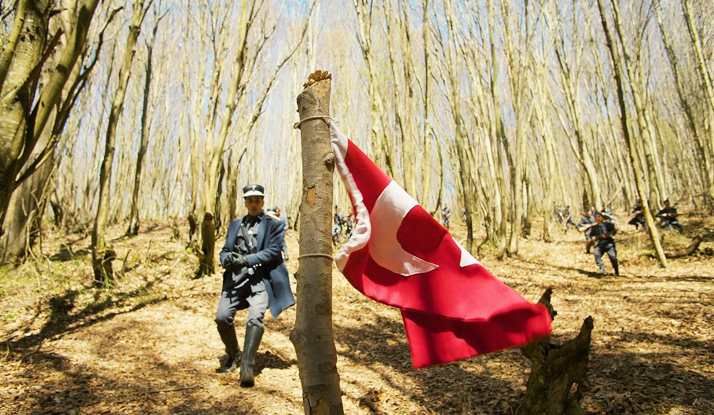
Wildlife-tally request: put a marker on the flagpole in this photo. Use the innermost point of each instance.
(312, 335)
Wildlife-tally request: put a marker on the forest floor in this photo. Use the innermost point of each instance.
(150, 346)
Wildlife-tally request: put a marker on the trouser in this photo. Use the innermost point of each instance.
(609, 248)
(637, 221)
(238, 298)
(336, 231)
(568, 222)
(672, 224)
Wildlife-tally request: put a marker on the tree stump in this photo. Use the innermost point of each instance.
(555, 369)
(208, 243)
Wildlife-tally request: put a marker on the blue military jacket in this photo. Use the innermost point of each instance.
(267, 261)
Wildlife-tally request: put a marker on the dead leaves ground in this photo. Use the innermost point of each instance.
(150, 346)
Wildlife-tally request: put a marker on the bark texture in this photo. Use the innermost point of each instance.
(555, 369)
(102, 254)
(313, 336)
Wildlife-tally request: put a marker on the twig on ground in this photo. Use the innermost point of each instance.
(173, 390)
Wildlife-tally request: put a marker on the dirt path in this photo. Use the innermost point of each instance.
(150, 345)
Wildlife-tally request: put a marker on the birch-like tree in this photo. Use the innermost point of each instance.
(102, 254)
(25, 109)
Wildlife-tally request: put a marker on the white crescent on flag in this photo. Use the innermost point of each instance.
(389, 211)
(452, 307)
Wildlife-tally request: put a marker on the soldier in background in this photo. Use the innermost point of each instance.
(668, 216)
(638, 217)
(445, 216)
(602, 234)
(349, 222)
(568, 219)
(337, 219)
(587, 222)
(606, 212)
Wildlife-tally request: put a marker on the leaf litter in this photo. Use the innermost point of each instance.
(149, 344)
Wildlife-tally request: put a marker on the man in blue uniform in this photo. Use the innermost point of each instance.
(587, 222)
(337, 220)
(568, 219)
(255, 278)
(602, 233)
(445, 216)
(606, 212)
(638, 217)
(668, 215)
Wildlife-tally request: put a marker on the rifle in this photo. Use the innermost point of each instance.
(585, 228)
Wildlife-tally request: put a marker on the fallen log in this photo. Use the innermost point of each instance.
(689, 250)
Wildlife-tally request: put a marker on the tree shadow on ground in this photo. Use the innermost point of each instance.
(79, 388)
(264, 360)
(626, 382)
(62, 321)
(547, 265)
(67, 254)
(268, 360)
(160, 383)
(382, 342)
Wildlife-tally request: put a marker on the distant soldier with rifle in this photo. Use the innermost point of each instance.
(668, 216)
(255, 278)
(638, 217)
(568, 219)
(445, 216)
(587, 222)
(602, 234)
(349, 222)
(606, 212)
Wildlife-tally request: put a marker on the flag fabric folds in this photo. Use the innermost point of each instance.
(452, 307)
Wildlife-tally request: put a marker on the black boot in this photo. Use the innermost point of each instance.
(228, 336)
(615, 267)
(253, 334)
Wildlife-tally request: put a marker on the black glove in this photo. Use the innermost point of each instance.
(235, 262)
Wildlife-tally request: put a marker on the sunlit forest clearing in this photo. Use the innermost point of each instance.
(149, 344)
(128, 131)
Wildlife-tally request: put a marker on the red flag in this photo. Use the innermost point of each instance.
(452, 307)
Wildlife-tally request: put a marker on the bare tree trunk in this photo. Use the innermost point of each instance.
(24, 206)
(571, 90)
(426, 132)
(384, 153)
(21, 55)
(312, 336)
(102, 255)
(555, 369)
(134, 221)
(460, 136)
(236, 90)
(617, 73)
(705, 77)
(20, 67)
(498, 137)
(704, 157)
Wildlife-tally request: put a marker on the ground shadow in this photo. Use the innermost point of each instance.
(62, 320)
(547, 265)
(67, 254)
(382, 342)
(642, 381)
(265, 360)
